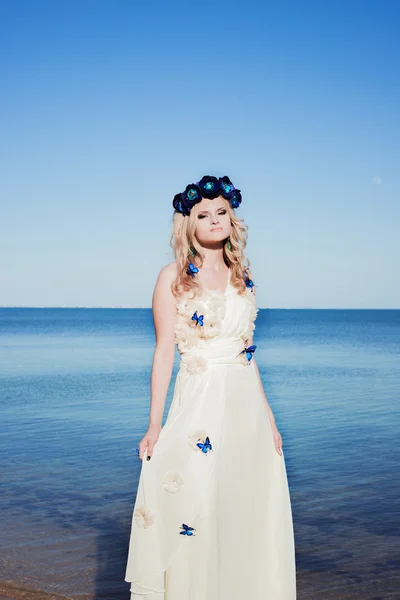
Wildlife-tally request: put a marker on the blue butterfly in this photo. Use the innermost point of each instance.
(249, 283)
(249, 352)
(206, 446)
(192, 270)
(199, 319)
(187, 530)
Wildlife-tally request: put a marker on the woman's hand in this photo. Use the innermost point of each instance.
(149, 440)
(277, 440)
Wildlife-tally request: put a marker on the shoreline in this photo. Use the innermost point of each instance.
(9, 591)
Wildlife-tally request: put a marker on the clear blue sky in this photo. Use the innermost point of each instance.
(109, 108)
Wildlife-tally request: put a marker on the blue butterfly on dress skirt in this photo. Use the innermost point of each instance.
(199, 319)
(249, 352)
(192, 270)
(206, 446)
(187, 530)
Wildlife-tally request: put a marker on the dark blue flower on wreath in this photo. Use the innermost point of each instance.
(236, 198)
(227, 187)
(191, 195)
(179, 205)
(185, 201)
(209, 186)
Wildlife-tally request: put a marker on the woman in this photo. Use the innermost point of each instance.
(212, 518)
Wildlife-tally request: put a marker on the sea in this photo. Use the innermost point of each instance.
(74, 403)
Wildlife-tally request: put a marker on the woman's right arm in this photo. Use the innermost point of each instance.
(164, 314)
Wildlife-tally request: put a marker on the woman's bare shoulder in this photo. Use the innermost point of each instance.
(167, 276)
(169, 271)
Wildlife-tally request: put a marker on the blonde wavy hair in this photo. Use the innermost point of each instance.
(183, 239)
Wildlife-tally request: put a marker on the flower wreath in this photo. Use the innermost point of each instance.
(208, 187)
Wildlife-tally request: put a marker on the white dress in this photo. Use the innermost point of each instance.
(230, 488)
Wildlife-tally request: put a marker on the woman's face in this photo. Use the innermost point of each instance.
(213, 222)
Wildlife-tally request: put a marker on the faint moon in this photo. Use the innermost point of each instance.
(377, 180)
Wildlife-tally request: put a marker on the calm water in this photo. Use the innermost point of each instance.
(74, 397)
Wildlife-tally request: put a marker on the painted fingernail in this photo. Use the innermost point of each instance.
(149, 457)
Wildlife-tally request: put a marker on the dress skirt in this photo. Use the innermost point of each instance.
(236, 498)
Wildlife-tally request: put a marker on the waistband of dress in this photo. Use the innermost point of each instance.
(217, 353)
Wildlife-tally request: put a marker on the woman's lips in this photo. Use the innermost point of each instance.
(217, 229)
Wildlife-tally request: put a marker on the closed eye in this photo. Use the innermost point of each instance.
(222, 212)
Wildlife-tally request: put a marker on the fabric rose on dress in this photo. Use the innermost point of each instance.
(200, 343)
(252, 316)
(196, 437)
(185, 328)
(195, 364)
(214, 311)
(143, 517)
(211, 305)
(172, 482)
(185, 336)
(252, 326)
(181, 307)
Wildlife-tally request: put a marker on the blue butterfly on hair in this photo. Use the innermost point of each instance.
(199, 319)
(249, 282)
(206, 446)
(192, 270)
(249, 352)
(186, 530)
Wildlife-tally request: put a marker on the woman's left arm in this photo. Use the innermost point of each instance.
(276, 435)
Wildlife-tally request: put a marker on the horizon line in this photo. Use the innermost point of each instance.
(260, 308)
